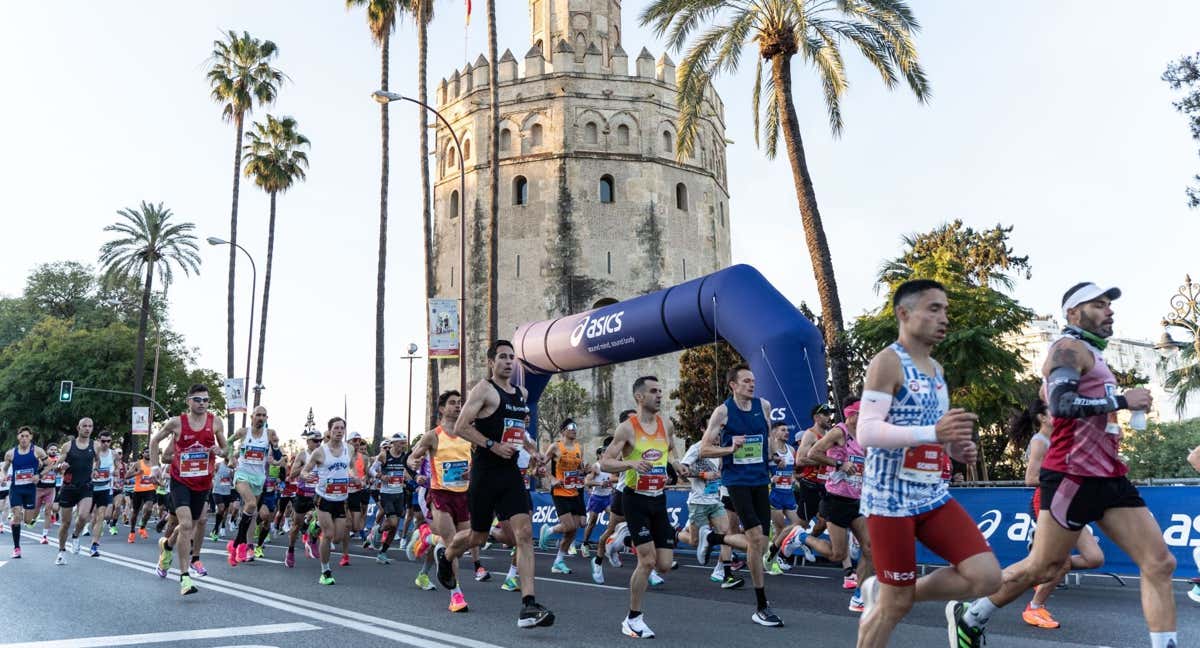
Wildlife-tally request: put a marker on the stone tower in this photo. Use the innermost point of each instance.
(595, 205)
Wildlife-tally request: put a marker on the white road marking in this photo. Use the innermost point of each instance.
(163, 637)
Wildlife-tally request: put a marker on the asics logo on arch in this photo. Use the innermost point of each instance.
(593, 327)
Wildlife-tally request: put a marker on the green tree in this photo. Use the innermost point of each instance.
(275, 160)
(1184, 74)
(701, 386)
(381, 20)
(147, 243)
(241, 76)
(1161, 449)
(881, 30)
(563, 398)
(422, 11)
(1184, 380)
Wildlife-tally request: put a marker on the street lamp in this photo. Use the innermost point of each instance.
(412, 350)
(1185, 314)
(385, 97)
(212, 240)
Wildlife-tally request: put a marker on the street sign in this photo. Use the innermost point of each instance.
(65, 388)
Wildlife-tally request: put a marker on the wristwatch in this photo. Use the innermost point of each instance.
(489, 444)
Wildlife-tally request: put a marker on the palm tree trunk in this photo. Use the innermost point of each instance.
(262, 319)
(237, 174)
(381, 271)
(139, 359)
(431, 369)
(814, 231)
(493, 222)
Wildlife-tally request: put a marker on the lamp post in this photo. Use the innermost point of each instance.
(1185, 314)
(412, 350)
(384, 97)
(212, 240)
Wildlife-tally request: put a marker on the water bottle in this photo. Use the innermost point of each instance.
(1137, 420)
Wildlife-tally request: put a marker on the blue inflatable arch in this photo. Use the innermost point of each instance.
(737, 304)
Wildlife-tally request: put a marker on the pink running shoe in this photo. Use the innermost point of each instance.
(16, 552)
(345, 561)
(289, 560)
(242, 550)
(198, 568)
(232, 554)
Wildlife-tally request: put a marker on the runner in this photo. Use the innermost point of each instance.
(221, 499)
(813, 475)
(331, 464)
(738, 432)
(193, 439)
(270, 497)
(47, 491)
(389, 465)
(782, 498)
(606, 547)
(356, 496)
(599, 500)
(706, 510)
(102, 488)
(1083, 478)
(493, 419)
(119, 489)
(76, 466)
(249, 477)
(565, 457)
(905, 425)
(26, 461)
(304, 502)
(641, 448)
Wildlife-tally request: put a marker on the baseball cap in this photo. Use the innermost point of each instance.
(310, 434)
(1084, 292)
(354, 436)
(822, 408)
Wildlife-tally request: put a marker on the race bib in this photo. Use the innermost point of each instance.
(514, 432)
(572, 479)
(269, 485)
(751, 452)
(922, 464)
(101, 475)
(395, 479)
(713, 487)
(49, 479)
(859, 466)
(195, 463)
(653, 482)
(337, 486)
(528, 484)
(454, 473)
(783, 480)
(24, 477)
(254, 457)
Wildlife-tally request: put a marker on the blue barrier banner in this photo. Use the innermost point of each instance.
(1004, 517)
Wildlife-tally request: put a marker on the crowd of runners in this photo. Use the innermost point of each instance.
(859, 489)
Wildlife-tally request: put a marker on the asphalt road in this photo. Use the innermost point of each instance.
(116, 600)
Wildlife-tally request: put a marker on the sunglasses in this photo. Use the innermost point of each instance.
(200, 399)
(105, 440)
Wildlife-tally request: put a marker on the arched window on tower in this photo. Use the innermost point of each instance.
(505, 139)
(681, 197)
(622, 135)
(450, 158)
(520, 189)
(721, 213)
(466, 150)
(608, 192)
(668, 142)
(591, 134)
(454, 204)
(535, 135)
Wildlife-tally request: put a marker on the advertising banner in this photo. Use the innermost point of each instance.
(140, 421)
(235, 395)
(443, 328)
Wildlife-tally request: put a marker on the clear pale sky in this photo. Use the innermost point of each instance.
(1049, 116)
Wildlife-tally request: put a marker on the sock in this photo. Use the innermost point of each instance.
(724, 570)
(559, 557)
(477, 565)
(772, 553)
(633, 614)
(243, 527)
(262, 534)
(599, 559)
(456, 590)
(715, 538)
(325, 567)
(1162, 640)
(16, 533)
(527, 600)
(1033, 605)
(195, 558)
(512, 571)
(980, 611)
(848, 571)
(167, 546)
(760, 596)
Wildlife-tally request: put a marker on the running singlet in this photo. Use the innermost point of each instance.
(252, 458)
(839, 482)
(79, 465)
(905, 482)
(748, 465)
(103, 474)
(814, 474)
(49, 478)
(505, 425)
(223, 480)
(651, 448)
(781, 480)
(601, 476)
(333, 481)
(394, 474)
(568, 470)
(450, 466)
(358, 470)
(307, 487)
(24, 468)
(1088, 446)
(192, 463)
(142, 480)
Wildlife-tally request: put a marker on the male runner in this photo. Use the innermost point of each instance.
(905, 425)
(26, 461)
(812, 475)
(606, 547)
(102, 488)
(193, 439)
(303, 504)
(356, 497)
(782, 497)
(249, 476)
(270, 495)
(76, 467)
(142, 502)
(705, 510)
(494, 420)
(599, 500)
(119, 490)
(47, 491)
(641, 448)
(566, 488)
(1083, 477)
(389, 466)
(738, 432)
(331, 464)
(221, 499)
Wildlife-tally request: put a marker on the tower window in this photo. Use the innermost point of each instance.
(466, 150)
(450, 158)
(520, 190)
(623, 135)
(535, 135)
(591, 134)
(607, 189)
(454, 204)
(721, 213)
(518, 266)
(505, 139)
(610, 263)
(681, 197)
(667, 141)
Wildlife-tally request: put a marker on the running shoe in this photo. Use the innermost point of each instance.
(231, 550)
(185, 585)
(326, 578)
(960, 634)
(772, 567)
(584, 551)
(559, 567)
(856, 602)
(850, 581)
(112, 530)
(95, 552)
(423, 582)
(75, 547)
(793, 541)
(534, 615)
(732, 582)
(44, 539)
(132, 536)
(143, 534)
(1039, 617)
(612, 551)
(419, 543)
(382, 558)
(717, 574)
(703, 548)
(16, 552)
(198, 568)
(345, 561)
(572, 551)
(243, 553)
(544, 534)
(870, 593)
(458, 602)
(1194, 593)
(445, 570)
(311, 547)
(61, 559)
(655, 579)
(598, 573)
(766, 617)
(783, 564)
(482, 575)
(289, 559)
(512, 584)
(636, 628)
(737, 564)
(258, 551)
(164, 557)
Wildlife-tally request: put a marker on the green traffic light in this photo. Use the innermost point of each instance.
(66, 387)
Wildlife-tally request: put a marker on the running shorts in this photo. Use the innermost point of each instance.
(71, 496)
(648, 520)
(496, 493)
(45, 497)
(617, 507)
(218, 499)
(1035, 502)
(23, 497)
(334, 509)
(809, 503)
(1075, 502)
(102, 498)
(753, 505)
(356, 502)
(270, 500)
(303, 504)
(139, 499)
(842, 511)
(948, 531)
(782, 499)
(452, 503)
(599, 503)
(414, 502)
(572, 505)
(255, 480)
(393, 504)
(181, 496)
(701, 514)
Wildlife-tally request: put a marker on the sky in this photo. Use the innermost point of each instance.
(1047, 116)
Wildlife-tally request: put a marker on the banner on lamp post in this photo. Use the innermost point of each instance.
(235, 395)
(140, 421)
(443, 328)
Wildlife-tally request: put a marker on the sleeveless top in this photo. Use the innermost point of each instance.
(333, 475)
(307, 487)
(393, 474)
(252, 457)
(653, 449)
(102, 476)
(839, 482)
(815, 474)
(358, 468)
(222, 479)
(24, 468)
(602, 491)
(50, 477)
(192, 463)
(450, 466)
(505, 425)
(748, 466)
(903, 482)
(782, 476)
(568, 470)
(141, 479)
(79, 465)
(1088, 446)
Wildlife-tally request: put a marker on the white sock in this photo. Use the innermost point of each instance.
(512, 571)
(1033, 605)
(324, 567)
(979, 612)
(559, 557)
(1162, 640)
(456, 590)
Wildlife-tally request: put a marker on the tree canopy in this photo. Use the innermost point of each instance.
(701, 386)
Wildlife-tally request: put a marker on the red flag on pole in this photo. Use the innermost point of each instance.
(468, 12)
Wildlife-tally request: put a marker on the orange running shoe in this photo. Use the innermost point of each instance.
(131, 536)
(142, 533)
(1039, 618)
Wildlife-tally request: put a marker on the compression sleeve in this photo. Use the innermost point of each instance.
(875, 432)
(1065, 401)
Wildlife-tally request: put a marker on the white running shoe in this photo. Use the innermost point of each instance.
(637, 628)
(598, 573)
(655, 579)
(61, 559)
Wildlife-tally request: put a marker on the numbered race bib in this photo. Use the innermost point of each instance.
(49, 479)
(572, 479)
(713, 487)
(24, 477)
(269, 485)
(254, 457)
(1111, 426)
(395, 479)
(195, 463)
(525, 476)
(337, 486)
(101, 475)
(922, 464)
(751, 452)
(859, 465)
(514, 432)
(783, 479)
(454, 473)
(653, 482)
(227, 480)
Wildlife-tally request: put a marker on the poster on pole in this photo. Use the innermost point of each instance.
(140, 421)
(235, 395)
(443, 328)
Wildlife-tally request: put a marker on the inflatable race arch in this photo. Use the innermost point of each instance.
(737, 304)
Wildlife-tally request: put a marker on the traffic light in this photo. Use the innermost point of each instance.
(64, 391)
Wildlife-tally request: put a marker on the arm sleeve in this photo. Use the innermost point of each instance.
(1065, 401)
(875, 432)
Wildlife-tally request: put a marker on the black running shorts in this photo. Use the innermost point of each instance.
(617, 507)
(648, 520)
(334, 509)
(303, 504)
(808, 499)
(181, 496)
(840, 511)
(573, 505)
(393, 504)
(71, 496)
(356, 502)
(752, 505)
(1075, 502)
(497, 492)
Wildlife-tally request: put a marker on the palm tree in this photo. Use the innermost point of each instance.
(147, 243)
(494, 153)
(241, 76)
(381, 19)
(422, 11)
(275, 161)
(882, 32)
